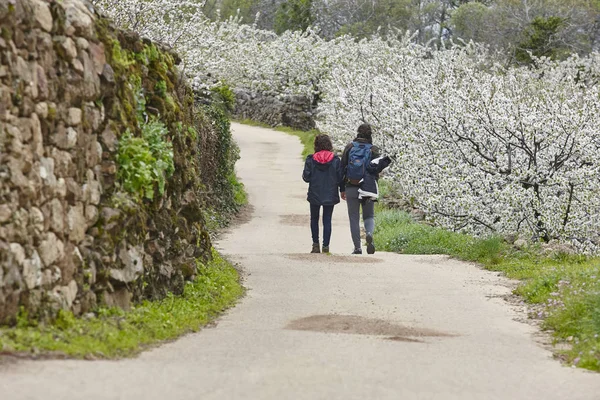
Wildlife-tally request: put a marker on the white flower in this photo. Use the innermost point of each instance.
(480, 147)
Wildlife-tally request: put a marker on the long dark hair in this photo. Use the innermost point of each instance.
(323, 142)
(365, 132)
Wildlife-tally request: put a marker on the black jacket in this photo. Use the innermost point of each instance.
(375, 152)
(324, 174)
(368, 186)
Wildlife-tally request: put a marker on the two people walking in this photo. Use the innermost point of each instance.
(353, 178)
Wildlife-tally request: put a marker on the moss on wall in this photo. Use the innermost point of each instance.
(80, 88)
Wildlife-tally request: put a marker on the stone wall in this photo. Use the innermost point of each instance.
(70, 237)
(275, 110)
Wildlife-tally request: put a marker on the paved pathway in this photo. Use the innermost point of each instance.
(327, 327)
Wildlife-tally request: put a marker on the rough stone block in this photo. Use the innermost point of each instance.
(77, 65)
(109, 139)
(76, 223)
(54, 213)
(74, 192)
(88, 302)
(42, 82)
(36, 220)
(37, 137)
(67, 265)
(18, 253)
(9, 305)
(91, 215)
(25, 127)
(66, 295)
(21, 70)
(41, 109)
(133, 265)
(91, 80)
(60, 190)
(70, 139)
(120, 298)
(5, 213)
(47, 171)
(79, 20)
(63, 163)
(42, 14)
(93, 155)
(74, 116)
(51, 249)
(82, 43)
(98, 57)
(32, 271)
(16, 167)
(70, 48)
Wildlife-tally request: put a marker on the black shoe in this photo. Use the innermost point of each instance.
(370, 245)
(316, 248)
(325, 249)
(357, 251)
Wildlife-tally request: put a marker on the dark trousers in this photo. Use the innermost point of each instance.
(314, 223)
(368, 212)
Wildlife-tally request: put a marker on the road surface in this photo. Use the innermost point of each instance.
(384, 326)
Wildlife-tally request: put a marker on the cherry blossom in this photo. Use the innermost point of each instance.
(481, 147)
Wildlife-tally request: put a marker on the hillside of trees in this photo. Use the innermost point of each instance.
(553, 28)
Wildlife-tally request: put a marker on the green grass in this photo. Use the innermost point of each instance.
(240, 197)
(564, 290)
(215, 220)
(306, 137)
(114, 333)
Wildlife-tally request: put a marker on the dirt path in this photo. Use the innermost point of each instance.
(327, 327)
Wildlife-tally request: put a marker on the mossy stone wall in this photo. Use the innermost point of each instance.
(71, 236)
(274, 109)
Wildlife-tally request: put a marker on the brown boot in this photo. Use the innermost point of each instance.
(316, 248)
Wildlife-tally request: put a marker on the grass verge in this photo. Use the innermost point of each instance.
(306, 137)
(217, 219)
(113, 333)
(562, 290)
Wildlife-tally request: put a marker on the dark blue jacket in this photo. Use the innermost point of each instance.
(368, 188)
(325, 177)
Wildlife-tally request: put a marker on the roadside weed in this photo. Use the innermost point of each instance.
(114, 333)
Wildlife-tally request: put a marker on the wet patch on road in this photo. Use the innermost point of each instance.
(332, 258)
(357, 325)
(269, 144)
(433, 259)
(294, 220)
(403, 339)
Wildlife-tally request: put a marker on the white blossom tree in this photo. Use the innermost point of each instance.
(481, 147)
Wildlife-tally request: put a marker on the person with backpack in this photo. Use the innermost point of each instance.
(356, 158)
(325, 177)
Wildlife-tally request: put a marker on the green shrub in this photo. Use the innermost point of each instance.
(161, 88)
(224, 97)
(145, 161)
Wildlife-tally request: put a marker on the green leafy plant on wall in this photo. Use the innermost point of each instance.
(161, 88)
(223, 97)
(145, 162)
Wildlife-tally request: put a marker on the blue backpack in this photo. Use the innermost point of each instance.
(358, 159)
